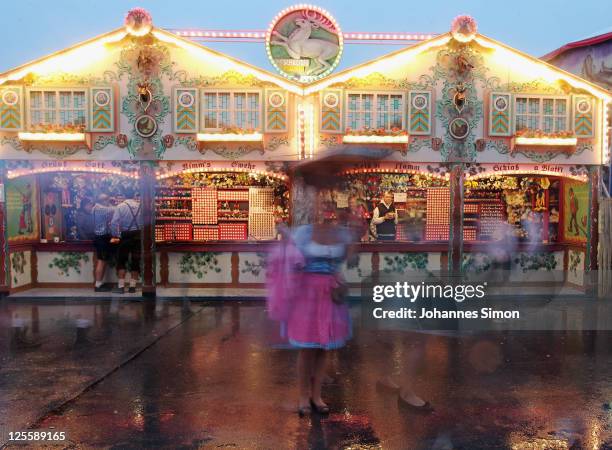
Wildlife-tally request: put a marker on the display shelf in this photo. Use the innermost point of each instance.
(174, 198)
(172, 218)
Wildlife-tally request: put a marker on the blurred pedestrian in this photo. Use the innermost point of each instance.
(318, 316)
(84, 220)
(102, 213)
(126, 226)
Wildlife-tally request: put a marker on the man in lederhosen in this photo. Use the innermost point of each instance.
(384, 218)
(125, 227)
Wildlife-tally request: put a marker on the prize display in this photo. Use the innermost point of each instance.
(219, 206)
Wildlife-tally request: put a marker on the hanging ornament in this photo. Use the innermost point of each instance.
(144, 95)
(138, 22)
(459, 99)
(464, 28)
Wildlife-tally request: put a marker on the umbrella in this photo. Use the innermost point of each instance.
(322, 171)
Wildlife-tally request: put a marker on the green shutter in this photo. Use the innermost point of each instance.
(500, 114)
(11, 108)
(584, 116)
(102, 105)
(276, 111)
(186, 111)
(331, 111)
(419, 112)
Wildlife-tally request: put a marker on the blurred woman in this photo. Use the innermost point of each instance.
(318, 320)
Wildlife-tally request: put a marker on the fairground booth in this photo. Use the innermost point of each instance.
(481, 144)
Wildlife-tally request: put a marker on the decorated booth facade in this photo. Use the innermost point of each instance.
(478, 139)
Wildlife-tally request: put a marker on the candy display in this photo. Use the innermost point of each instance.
(227, 208)
(437, 227)
(232, 231)
(205, 232)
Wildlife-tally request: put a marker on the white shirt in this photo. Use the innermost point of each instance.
(376, 219)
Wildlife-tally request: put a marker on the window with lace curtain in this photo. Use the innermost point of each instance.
(549, 114)
(375, 110)
(57, 107)
(231, 109)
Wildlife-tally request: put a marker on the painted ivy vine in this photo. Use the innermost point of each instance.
(476, 262)
(407, 261)
(199, 263)
(18, 263)
(536, 261)
(67, 261)
(256, 267)
(575, 258)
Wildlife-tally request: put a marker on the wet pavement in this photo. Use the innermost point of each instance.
(202, 375)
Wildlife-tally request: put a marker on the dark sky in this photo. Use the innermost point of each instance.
(35, 28)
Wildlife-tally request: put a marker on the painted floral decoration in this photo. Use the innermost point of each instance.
(57, 128)
(529, 133)
(138, 21)
(464, 28)
(366, 131)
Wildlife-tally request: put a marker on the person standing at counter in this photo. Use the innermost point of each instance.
(384, 218)
(125, 227)
(102, 215)
(84, 220)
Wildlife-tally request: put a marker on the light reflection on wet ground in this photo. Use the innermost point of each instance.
(214, 379)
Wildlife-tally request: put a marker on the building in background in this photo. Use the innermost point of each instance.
(475, 137)
(590, 58)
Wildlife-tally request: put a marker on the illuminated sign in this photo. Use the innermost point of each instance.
(304, 43)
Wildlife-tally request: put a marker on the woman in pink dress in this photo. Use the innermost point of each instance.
(318, 321)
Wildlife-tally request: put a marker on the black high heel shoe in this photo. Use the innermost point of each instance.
(304, 411)
(323, 410)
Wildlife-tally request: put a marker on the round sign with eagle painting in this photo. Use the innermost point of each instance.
(304, 43)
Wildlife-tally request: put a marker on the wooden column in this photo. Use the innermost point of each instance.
(4, 252)
(147, 198)
(455, 240)
(593, 220)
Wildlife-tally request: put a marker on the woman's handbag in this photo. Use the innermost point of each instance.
(340, 291)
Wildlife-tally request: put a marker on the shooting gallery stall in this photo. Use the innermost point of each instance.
(481, 145)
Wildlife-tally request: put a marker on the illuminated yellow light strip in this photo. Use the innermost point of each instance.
(311, 129)
(19, 173)
(525, 172)
(221, 169)
(517, 60)
(73, 137)
(357, 139)
(444, 177)
(229, 137)
(71, 59)
(545, 141)
(605, 132)
(207, 53)
(381, 64)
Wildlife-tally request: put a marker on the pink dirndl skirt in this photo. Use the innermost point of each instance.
(315, 321)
